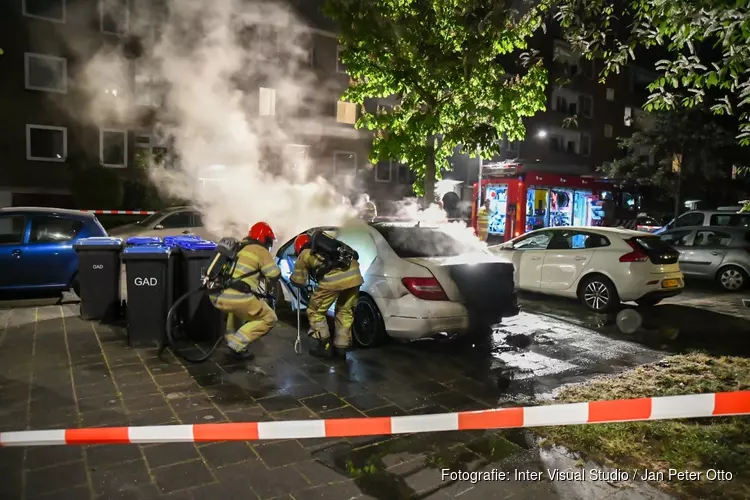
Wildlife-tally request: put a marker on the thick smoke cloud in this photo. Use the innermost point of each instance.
(233, 160)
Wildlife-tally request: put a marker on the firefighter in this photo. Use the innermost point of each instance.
(483, 220)
(370, 211)
(337, 284)
(244, 300)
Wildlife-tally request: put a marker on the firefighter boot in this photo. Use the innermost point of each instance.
(321, 348)
(235, 352)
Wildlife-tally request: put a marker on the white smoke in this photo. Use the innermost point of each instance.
(235, 164)
(214, 57)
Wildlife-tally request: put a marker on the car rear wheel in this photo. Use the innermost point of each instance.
(76, 286)
(599, 294)
(368, 329)
(732, 278)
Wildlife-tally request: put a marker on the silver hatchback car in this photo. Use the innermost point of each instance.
(716, 253)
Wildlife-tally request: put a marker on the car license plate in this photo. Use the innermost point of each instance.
(673, 283)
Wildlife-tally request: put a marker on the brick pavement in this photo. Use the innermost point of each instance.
(58, 371)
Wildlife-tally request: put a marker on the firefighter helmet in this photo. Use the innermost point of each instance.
(262, 233)
(299, 243)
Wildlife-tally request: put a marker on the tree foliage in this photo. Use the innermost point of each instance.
(704, 150)
(706, 45)
(441, 59)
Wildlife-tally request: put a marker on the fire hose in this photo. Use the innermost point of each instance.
(172, 326)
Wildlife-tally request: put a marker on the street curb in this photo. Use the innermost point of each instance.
(592, 412)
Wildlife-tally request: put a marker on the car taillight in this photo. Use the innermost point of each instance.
(425, 288)
(637, 255)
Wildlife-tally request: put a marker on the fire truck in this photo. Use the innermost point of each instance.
(522, 200)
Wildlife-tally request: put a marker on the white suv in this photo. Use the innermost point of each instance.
(599, 266)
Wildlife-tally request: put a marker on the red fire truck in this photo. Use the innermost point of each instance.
(522, 200)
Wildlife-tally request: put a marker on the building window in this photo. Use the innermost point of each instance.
(587, 106)
(113, 147)
(610, 94)
(383, 171)
(149, 152)
(265, 42)
(561, 104)
(266, 101)
(114, 16)
(608, 132)
(49, 10)
(46, 73)
(588, 68)
(148, 91)
(44, 143)
(404, 176)
(340, 67)
(346, 112)
(344, 162)
(628, 118)
(295, 156)
(585, 145)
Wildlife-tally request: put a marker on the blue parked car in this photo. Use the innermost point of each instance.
(36, 247)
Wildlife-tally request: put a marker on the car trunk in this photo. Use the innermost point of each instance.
(482, 283)
(660, 254)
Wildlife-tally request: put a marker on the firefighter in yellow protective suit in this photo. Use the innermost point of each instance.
(335, 284)
(483, 220)
(244, 301)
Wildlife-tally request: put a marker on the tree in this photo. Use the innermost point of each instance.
(674, 151)
(706, 44)
(442, 60)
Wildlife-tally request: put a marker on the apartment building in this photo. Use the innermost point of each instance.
(47, 46)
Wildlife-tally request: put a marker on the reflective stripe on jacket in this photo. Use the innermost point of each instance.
(253, 258)
(483, 223)
(335, 280)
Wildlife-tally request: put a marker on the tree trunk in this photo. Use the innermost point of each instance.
(429, 173)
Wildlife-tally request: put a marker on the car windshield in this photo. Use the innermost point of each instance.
(416, 242)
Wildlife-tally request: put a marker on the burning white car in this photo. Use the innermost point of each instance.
(419, 281)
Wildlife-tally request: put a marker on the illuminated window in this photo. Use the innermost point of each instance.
(346, 112)
(266, 102)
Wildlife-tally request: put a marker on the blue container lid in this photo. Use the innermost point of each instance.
(99, 241)
(143, 240)
(196, 245)
(174, 240)
(147, 250)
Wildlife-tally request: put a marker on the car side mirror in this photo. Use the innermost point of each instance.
(158, 226)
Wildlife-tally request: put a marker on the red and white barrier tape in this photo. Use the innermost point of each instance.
(120, 212)
(593, 412)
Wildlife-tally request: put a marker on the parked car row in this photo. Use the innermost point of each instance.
(420, 280)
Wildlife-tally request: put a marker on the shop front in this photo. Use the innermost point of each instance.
(524, 201)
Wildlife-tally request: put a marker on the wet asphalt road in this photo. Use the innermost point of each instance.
(57, 371)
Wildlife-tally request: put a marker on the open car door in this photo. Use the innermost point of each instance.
(285, 259)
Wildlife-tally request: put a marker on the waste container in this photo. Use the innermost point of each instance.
(99, 277)
(201, 321)
(150, 286)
